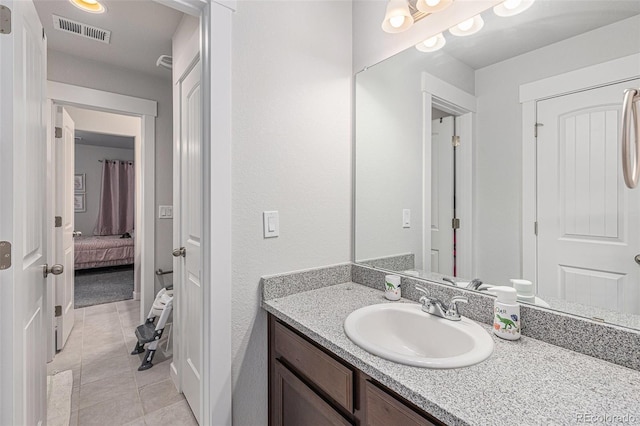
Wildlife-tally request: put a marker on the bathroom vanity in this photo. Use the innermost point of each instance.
(317, 375)
(310, 385)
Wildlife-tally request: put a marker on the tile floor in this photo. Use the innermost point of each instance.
(108, 389)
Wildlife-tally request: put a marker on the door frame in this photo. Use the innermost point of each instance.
(590, 77)
(216, 18)
(449, 98)
(69, 95)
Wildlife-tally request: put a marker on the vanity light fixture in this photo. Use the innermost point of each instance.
(432, 44)
(431, 6)
(512, 7)
(398, 17)
(91, 6)
(468, 27)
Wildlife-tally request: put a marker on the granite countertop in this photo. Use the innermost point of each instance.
(524, 382)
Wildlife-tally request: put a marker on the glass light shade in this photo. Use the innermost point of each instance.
(512, 7)
(432, 44)
(91, 6)
(468, 27)
(393, 19)
(432, 6)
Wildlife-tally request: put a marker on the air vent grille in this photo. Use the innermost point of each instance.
(80, 29)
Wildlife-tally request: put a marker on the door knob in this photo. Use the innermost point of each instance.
(56, 269)
(179, 252)
(637, 259)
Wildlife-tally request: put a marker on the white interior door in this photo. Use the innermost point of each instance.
(588, 221)
(442, 195)
(190, 237)
(64, 210)
(23, 220)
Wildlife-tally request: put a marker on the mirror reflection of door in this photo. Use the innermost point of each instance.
(442, 195)
(588, 221)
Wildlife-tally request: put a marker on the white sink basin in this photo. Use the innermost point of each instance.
(402, 333)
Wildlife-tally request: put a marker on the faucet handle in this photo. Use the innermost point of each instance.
(422, 289)
(452, 312)
(426, 298)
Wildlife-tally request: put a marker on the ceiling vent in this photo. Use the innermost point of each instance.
(80, 29)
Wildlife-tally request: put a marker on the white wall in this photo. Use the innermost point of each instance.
(69, 69)
(389, 126)
(389, 164)
(498, 175)
(87, 162)
(291, 153)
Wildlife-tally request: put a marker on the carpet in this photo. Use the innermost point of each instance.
(103, 285)
(59, 398)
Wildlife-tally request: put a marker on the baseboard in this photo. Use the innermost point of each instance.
(173, 373)
(136, 295)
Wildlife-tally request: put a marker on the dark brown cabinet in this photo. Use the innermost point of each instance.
(310, 386)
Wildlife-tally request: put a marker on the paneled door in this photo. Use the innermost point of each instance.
(23, 240)
(190, 291)
(64, 147)
(442, 195)
(588, 221)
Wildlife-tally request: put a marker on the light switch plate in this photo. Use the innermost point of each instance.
(165, 212)
(271, 223)
(406, 218)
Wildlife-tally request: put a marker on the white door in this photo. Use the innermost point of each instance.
(64, 212)
(190, 292)
(442, 195)
(588, 221)
(23, 220)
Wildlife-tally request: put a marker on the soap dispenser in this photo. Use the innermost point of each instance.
(506, 313)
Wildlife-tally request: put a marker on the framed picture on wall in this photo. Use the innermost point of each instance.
(79, 203)
(78, 182)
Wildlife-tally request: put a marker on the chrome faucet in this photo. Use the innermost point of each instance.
(474, 284)
(436, 307)
(450, 281)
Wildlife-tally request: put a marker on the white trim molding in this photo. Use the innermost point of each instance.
(67, 94)
(615, 71)
(104, 101)
(449, 98)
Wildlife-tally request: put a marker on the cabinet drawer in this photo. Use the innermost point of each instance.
(384, 410)
(328, 374)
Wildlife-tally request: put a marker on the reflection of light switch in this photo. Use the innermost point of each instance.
(165, 212)
(271, 224)
(406, 218)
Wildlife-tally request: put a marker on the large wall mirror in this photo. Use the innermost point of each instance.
(497, 158)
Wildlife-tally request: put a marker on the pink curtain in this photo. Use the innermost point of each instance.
(117, 200)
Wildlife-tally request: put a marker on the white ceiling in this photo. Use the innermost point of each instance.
(84, 137)
(544, 23)
(141, 31)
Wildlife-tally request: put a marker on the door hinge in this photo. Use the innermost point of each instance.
(58, 133)
(535, 129)
(5, 20)
(58, 223)
(5, 255)
(58, 312)
(455, 223)
(535, 228)
(455, 141)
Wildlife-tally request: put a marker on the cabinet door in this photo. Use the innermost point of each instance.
(383, 409)
(295, 404)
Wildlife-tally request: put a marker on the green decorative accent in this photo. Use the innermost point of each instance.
(507, 323)
(389, 286)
